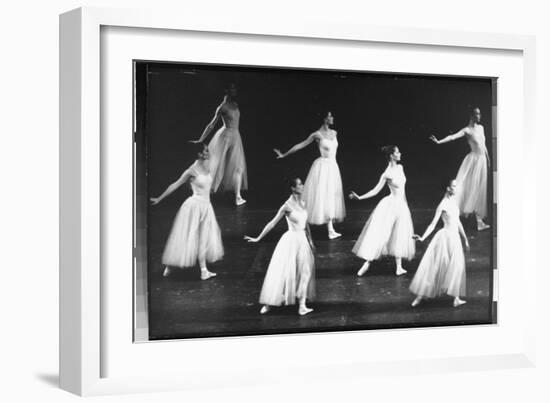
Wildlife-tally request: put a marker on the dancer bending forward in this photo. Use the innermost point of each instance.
(472, 174)
(291, 271)
(442, 269)
(323, 192)
(195, 234)
(389, 229)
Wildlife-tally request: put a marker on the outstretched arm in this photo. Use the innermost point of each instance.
(450, 137)
(210, 126)
(280, 214)
(171, 188)
(373, 192)
(463, 235)
(297, 147)
(432, 225)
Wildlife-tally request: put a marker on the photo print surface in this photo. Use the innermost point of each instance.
(281, 200)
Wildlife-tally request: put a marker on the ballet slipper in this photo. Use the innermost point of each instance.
(265, 309)
(416, 301)
(304, 310)
(205, 274)
(363, 269)
(239, 201)
(400, 271)
(166, 272)
(481, 226)
(334, 235)
(458, 302)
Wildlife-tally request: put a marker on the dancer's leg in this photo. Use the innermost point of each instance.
(237, 183)
(480, 224)
(332, 234)
(416, 301)
(303, 309)
(205, 273)
(364, 268)
(399, 270)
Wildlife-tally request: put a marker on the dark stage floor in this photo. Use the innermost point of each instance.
(183, 306)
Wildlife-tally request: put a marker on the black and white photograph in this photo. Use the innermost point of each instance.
(275, 201)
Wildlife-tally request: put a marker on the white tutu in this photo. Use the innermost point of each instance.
(388, 231)
(472, 182)
(291, 271)
(442, 268)
(227, 159)
(195, 231)
(323, 192)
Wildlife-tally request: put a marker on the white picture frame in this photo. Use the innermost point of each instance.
(89, 338)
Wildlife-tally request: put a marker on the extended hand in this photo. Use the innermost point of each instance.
(353, 195)
(279, 153)
(434, 139)
(467, 245)
(154, 200)
(250, 239)
(417, 237)
(195, 141)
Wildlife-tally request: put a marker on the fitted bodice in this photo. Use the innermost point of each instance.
(297, 217)
(200, 183)
(396, 180)
(476, 140)
(450, 214)
(328, 144)
(231, 116)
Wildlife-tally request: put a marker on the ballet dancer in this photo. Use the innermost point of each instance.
(442, 269)
(195, 234)
(472, 174)
(291, 271)
(323, 192)
(389, 229)
(228, 163)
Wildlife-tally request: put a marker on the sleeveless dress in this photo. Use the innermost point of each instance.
(389, 229)
(443, 267)
(323, 192)
(227, 153)
(195, 230)
(472, 176)
(291, 271)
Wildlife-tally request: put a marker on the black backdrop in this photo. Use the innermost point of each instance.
(280, 107)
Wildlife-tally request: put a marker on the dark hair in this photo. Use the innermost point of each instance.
(228, 86)
(324, 113)
(198, 147)
(388, 151)
(293, 180)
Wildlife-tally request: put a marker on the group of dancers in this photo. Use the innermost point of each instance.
(196, 237)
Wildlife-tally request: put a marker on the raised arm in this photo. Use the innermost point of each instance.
(297, 147)
(450, 137)
(269, 226)
(432, 225)
(373, 192)
(210, 126)
(172, 187)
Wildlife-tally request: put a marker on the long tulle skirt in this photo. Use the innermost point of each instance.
(195, 233)
(442, 269)
(388, 231)
(323, 192)
(472, 181)
(291, 271)
(227, 161)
